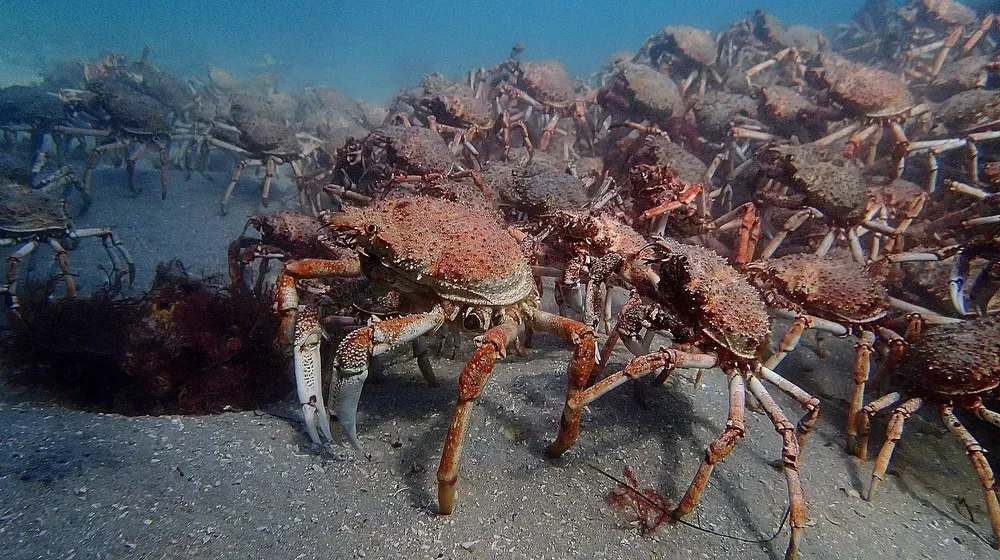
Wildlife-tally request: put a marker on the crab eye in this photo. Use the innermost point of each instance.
(371, 229)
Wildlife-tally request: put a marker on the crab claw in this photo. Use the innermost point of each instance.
(345, 391)
(348, 381)
(308, 380)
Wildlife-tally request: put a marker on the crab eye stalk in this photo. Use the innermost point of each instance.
(371, 229)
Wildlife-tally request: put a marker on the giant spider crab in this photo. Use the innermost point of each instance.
(700, 299)
(451, 264)
(31, 217)
(950, 365)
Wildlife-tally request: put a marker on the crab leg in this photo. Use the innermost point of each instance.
(112, 245)
(640, 366)
(287, 293)
(893, 433)
(790, 463)
(308, 376)
(12, 273)
(718, 449)
(979, 463)
(354, 356)
(793, 334)
(62, 260)
(791, 224)
(130, 167)
(492, 344)
(807, 401)
(265, 189)
(95, 156)
(862, 370)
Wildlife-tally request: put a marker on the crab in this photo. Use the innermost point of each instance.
(949, 366)
(451, 264)
(543, 87)
(983, 286)
(34, 111)
(948, 23)
(397, 150)
(700, 299)
(456, 110)
(763, 35)
(594, 248)
(127, 116)
(263, 140)
(876, 98)
(288, 236)
(829, 295)
(30, 217)
(639, 91)
(972, 118)
(691, 53)
(832, 188)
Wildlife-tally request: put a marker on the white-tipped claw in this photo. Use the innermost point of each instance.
(345, 392)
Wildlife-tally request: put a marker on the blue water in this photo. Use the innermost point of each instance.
(367, 49)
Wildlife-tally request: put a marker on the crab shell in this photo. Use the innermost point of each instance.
(831, 288)
(422, 245)
(547, 81)
(651, 93)
(948, 12)
(25, 211)
(413, 149)
(456, 106)
(957, 359)
(700, 287)
(862, 88)
(833, 185)
(696, 44)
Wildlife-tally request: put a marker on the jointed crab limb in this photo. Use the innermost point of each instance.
(718, 449)
(862, 370)
(287, 293)
(13, 262)
(790, 463)
(492, 344)
(112, 245)
(640, 366)
(354, 356)
(808, 402)
(95, 156)
(979, 463)
(308, 376)
(892, 435)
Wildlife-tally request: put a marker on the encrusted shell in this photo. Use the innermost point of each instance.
(954, 359)
(460, 253)
(829, 288)
(697, 282)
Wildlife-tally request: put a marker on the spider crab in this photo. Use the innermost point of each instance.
(31, 217)
(827, 295)
(456, 110)
(830, 188)
(689, 52)
(543, 87)
(709, 306)
(451, 264)
(876, 98)
(950, 365)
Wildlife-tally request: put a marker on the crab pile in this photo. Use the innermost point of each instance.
(844, 182)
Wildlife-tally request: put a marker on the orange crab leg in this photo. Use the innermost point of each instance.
(686, 196)
(477, 370)
(288, 296)
(665, 358)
